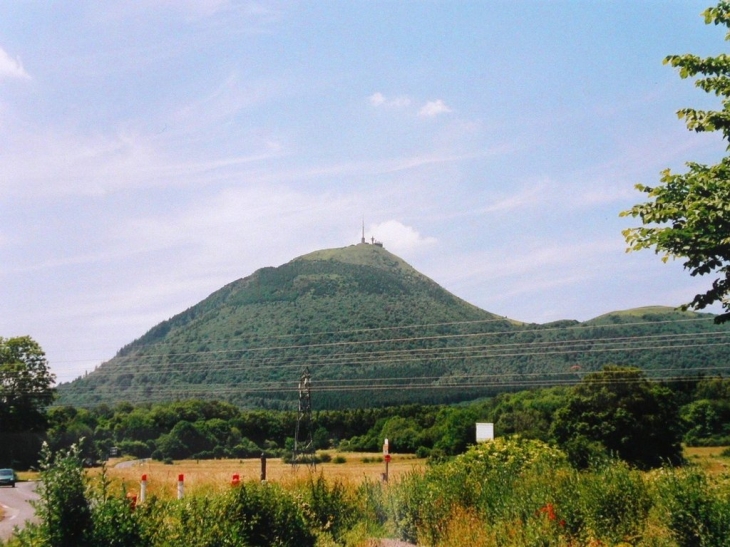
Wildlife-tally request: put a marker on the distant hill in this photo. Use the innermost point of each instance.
(372, 330)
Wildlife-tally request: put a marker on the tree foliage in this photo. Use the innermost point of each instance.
(688, 214)
(26, 389)
(619, 408)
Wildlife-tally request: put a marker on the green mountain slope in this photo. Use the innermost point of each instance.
(373, 330)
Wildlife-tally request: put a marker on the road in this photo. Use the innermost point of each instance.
(16, 507)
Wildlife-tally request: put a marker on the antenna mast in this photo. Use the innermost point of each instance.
(363, 230)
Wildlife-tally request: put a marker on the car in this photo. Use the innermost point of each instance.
(7, 477)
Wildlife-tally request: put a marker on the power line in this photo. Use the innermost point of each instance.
(522, 331)
(476, 384)
(395, 357)
(354, 355)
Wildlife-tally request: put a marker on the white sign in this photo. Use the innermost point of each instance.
(485, 432)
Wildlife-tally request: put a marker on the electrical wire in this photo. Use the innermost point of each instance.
(380, 358)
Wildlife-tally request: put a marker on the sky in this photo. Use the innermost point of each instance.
(152, 151)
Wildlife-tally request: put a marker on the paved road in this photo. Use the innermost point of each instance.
(131, 463)
(16, 509)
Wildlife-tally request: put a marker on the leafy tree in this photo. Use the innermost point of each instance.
(620, 409)
(707, 422)
(687, 215)
(25, 391)
(403, 434)
(455, 429)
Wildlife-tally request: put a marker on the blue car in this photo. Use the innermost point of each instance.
(7, 477)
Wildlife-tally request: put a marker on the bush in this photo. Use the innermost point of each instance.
(138, 449)
(64, 512)
(614, 502)
(500, 479)
(246, 448)
(584, 453)
(267, 516)
(339, 459)
(696, 512)
(114, 522)
(329, 506)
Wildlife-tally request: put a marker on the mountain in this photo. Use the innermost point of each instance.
(372, 330)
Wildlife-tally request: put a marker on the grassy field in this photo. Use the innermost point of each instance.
(215, 475)
(708, 458)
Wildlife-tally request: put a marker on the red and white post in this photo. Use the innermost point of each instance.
(143, 489)
(386, 458)
(180, 486)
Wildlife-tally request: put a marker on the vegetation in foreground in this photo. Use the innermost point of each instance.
(508, 492)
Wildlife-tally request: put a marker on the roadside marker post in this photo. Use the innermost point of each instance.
(180, 486)
(263, 467)
(386, 457)
(143, 489)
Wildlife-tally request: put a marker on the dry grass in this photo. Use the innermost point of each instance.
(202, 476)
(708, 458)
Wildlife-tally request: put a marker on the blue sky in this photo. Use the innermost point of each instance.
(153, 151)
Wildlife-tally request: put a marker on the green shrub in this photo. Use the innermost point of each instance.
(372, 501)
(267, 516)
(330, 508)
(138, 449)
(114, 521)
(63, 509)
(695, 510)
(614, 503)
(502, 479)
(339, 459)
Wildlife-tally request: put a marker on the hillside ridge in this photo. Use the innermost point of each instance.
(373, 330)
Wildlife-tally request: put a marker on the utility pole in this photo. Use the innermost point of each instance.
(303, 441)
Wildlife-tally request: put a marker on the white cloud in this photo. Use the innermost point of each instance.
(398, 237)
(378, 99)
(434, 108)
(428, 110)
(11, 68)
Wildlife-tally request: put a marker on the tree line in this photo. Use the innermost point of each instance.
(615, 411)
